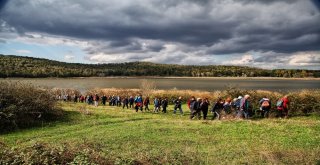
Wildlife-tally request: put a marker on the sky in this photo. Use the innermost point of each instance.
(268, 34)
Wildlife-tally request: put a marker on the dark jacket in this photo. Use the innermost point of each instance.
(177, 103)
(204, 106)
(164, 103)
(217, 106)
(195, 105)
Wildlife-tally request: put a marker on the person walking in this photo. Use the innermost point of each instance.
(146, 103)
(160, 103)
(192, 107)
(139, 103)
(178, 105)
(104, 99)
(195, 106)
(283, 107)
(75, 98)
(131, 101)
(265, 106)
(96, 100)
(156, 105)
(90, 100)
(245, 108)
(125, 103)
(216, 108)
(227, 106)
(237, 105)
(118, 102)
(164, 105)
(82, 98)
(204, 108)
(110, 100)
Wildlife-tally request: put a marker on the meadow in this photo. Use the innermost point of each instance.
(112, 135)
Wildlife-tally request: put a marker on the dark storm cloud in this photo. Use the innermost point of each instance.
(3, 3)
(264, 2)
(317, 3)
(145, 26)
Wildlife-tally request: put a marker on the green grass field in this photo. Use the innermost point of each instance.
(127, 136)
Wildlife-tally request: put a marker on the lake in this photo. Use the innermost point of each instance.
(208, 84)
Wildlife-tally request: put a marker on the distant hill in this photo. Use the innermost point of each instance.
(18, 66)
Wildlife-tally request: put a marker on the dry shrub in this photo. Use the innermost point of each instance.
(114, 91)
(61, 92)
(88, 153)
(43, 153)
(304, 102)
(23, 105)
(185, 94)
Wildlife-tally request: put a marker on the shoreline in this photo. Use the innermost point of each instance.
(159, 77)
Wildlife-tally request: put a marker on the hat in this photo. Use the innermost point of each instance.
(240, 97)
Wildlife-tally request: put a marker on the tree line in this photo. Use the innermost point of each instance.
(19, 66)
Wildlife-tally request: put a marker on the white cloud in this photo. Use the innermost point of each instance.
(243, 60)
(23, 51)
(46, 39)
(305, 59)
(69, 57)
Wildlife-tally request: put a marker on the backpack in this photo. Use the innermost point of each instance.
(265, 103)
(280, 103)
(227, 108)
(237, 103)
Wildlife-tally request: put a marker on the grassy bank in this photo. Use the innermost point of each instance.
(110, 135)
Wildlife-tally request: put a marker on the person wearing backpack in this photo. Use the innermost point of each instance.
(139, 103)
(245, 107)
(237, 105)
(283, 106)
(265, 106)
(227, 106)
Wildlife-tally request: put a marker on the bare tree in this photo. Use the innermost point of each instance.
(147, 87)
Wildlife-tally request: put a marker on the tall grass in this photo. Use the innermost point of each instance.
(23, 105)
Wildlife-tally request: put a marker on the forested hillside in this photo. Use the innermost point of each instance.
(18, 66)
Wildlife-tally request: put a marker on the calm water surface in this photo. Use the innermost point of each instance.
(179, 83)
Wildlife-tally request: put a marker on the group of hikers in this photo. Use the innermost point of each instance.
(239, 107)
